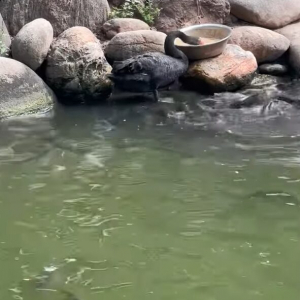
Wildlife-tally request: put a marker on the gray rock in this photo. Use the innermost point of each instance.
(176, 14)
(76, 66)
(270, 14)
(62, 14)
(262, 81)
(231, 70)
(129, 44)
(5, 40)
(21, 90)
(32, 43)
(292, 32)
(273, 69)
(115, 26)
(265, 44)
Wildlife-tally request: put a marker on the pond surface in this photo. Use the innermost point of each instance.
(151, 201)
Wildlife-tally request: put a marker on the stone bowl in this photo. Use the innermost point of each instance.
(219, 35)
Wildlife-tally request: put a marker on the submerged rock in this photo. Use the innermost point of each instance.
(115, 26)
(270, 14)
(129, 44)
(21, 90)
(226, 72)
(292, 32)
(32, 43)
(273, 69)
(266, 45)
(76, 67)
(180, 13)
(62, 14)
(5, 40)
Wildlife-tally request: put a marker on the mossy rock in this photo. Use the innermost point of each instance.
(22, 90)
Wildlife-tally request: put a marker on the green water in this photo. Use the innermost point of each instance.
(121, 203)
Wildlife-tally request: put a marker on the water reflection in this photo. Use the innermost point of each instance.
(186, 198)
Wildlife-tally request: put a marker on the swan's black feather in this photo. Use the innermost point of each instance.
(153, 70)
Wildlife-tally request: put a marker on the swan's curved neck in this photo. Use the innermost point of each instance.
(170, 48)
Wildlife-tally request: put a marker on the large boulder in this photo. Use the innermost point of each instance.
(115, 26)
(62, 14)
(292, 32)
(76, 66)
(229, 71)
(265, 44)
(5, 40)
(176, 14)
(32, 43)
(270, 14)
(129, 44)
(21, 90)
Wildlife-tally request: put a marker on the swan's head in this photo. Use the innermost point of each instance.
(190, 39)
(185, 38)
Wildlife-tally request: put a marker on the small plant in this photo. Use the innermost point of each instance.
(143, 10)
(3, 48)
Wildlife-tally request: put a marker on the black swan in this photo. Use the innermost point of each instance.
(153, 70)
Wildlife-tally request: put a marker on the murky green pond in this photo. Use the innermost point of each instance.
(131, 202)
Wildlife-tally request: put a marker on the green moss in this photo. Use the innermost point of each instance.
(145, 11)
(38, 102)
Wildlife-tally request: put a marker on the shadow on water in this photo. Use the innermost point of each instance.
(253, 119)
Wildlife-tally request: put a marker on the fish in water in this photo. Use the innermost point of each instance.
(49, 284)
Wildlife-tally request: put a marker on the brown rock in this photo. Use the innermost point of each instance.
(115, 26)
(129, 44)
(266, 45)
(227, 72)
(270, 14)
(62, 14)
(76, 66)
(292, 32)
(32, 43)
(176, 14)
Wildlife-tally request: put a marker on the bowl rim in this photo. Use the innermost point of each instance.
(203, 26)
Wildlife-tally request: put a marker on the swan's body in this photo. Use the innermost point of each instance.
(152, 71)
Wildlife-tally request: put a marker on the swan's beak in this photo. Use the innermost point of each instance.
(192, 40)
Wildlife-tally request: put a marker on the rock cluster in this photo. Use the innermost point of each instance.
(59, 40)
(281, 16)
(76, 67)
(73, 65)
